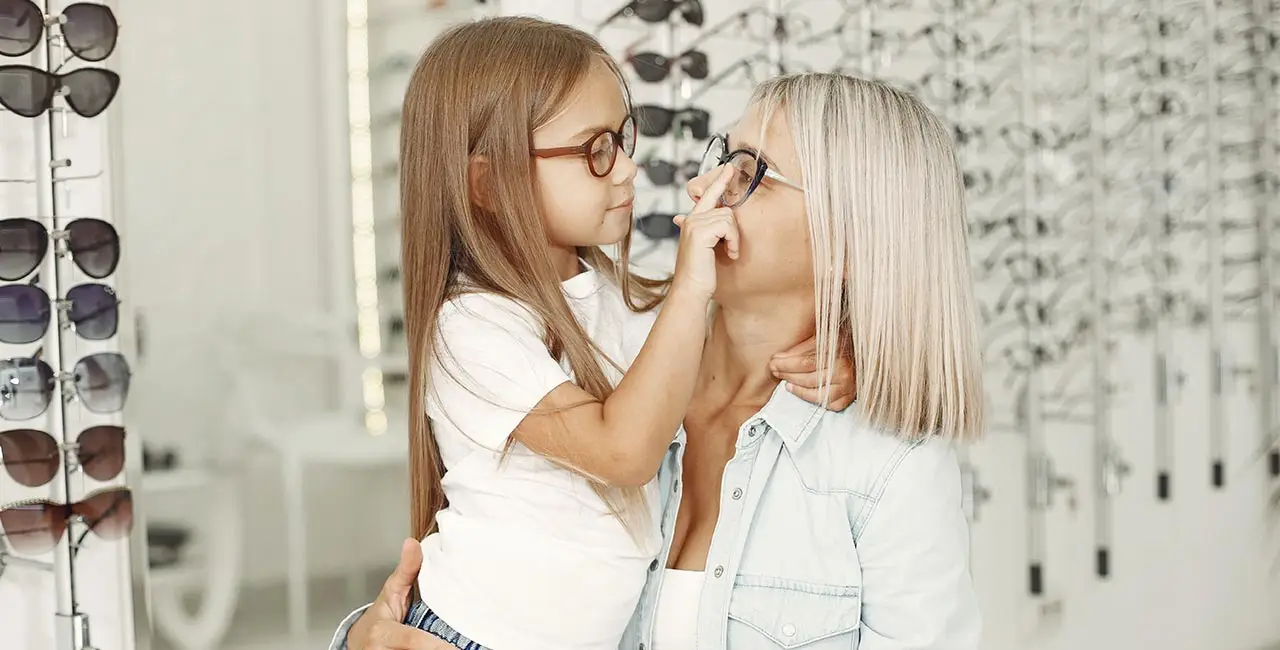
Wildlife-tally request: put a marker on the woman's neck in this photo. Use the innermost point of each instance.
(741, 343)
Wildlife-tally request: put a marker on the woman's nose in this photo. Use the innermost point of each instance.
(697, 186)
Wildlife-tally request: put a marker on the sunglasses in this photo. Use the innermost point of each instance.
(665, 172)
(101, 381)
(658, 225)
(656, 11)
(601, 151)
(93, 244)
(29, 91)
(92, 310)
(88, 29)
(33, 457)
(34, 526)
(653, 67)
(658, 120)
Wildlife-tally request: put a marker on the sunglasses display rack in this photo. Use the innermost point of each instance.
(66, 509)
(1120, 162)
(670, 73)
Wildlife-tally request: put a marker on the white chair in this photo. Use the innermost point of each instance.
(295, 382)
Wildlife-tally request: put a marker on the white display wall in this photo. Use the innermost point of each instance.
(1120, 158)
(64, 599)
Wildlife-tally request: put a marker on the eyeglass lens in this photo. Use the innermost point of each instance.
(603, 148)
(746, 169)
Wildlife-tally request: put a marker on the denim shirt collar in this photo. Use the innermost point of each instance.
(791, 417)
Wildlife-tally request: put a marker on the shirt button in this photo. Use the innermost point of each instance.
(641, 646)
(653, 566)
(789, 629)
(719, 571)
(737, 493)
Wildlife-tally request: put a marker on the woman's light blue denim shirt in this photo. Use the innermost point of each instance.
(832, 535)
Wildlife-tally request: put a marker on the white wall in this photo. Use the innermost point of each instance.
(224, 191)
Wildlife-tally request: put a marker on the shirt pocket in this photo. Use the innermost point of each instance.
(766, 612)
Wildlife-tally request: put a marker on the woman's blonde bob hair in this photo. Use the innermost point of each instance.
(888, 225)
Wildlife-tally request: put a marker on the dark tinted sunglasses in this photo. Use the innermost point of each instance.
(29, 91)
(92, 310)
(656, 120)
(656, 11)
(658, 225)
(32, 457)
(654, 67)
(88, 29)
(665, 172)
(101, 381)
(34, 526)
(93, 244)
(601, 150)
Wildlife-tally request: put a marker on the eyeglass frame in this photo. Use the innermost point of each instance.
(584, 149)
(762, 167)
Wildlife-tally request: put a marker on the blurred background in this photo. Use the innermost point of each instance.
(1120, 157)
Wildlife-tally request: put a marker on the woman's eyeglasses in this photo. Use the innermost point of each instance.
(34, 526)
(32, 457)
(749, 170)
(601, 151)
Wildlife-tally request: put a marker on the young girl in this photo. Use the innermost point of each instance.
(532, 455)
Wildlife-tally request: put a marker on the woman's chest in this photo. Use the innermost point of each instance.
(781, 564)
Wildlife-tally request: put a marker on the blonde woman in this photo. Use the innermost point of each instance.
(786, 525)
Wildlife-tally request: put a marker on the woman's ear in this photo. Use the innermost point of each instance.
(478, 188)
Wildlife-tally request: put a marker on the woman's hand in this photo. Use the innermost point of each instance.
(799, 368)
(381, 626)
(700, 232)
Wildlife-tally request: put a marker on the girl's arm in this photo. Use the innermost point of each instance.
(623, 439)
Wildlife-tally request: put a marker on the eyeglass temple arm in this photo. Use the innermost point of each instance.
(710, 84)
(723, 25)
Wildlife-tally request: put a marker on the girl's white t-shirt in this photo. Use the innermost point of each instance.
(527, 556)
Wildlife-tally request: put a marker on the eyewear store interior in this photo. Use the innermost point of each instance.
(203, 379)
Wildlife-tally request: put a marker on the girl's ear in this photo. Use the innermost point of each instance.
(478, 188)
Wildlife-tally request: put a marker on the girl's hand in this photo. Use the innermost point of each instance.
(700, 232)
(799, 368)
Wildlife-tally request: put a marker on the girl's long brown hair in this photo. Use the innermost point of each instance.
(481, 89)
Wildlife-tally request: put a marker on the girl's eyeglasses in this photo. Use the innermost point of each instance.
(601, 151)
(749, 171)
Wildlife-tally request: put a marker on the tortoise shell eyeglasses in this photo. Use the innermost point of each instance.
(601, 150)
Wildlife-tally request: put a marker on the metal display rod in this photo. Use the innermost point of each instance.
(1268, 348)
(1158, 185)
(71, 627)
(1039, 467)
(1213, 239)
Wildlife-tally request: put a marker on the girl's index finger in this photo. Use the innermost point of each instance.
(711, 198)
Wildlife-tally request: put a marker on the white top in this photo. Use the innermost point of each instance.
(676, 619)
(527, 556)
